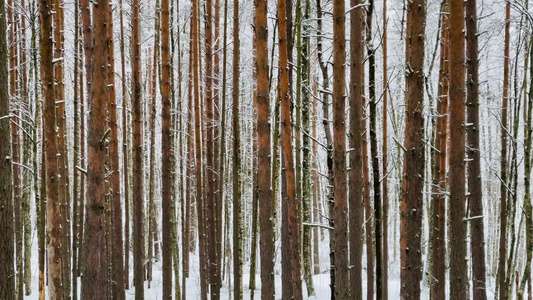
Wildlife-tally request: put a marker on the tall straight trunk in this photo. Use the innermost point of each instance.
(413, 179)
(526, 277)
(306, 159)
(62, 144)
(475, 201)
(218, 148)
(237, 210)
(501, 287)
(76, 197)
(329, 139)
(211, 217)
(116, 207)
(55, 290)
(125, 153)
(198, 150)
(438, 242)
(317, 212)
(166, 161)
(264, 176)
(374, 150)
(138, 169)
(291, 281)
(340, 232)
(384, 183)
(369, 237)
(94, 280)
(88, 49)
(7, 248)
(458, 265)
(13, 17)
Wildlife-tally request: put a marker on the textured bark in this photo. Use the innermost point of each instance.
(76, 197)
(329, 140)
(369, 230)
(53, 233)
(306, 159)
(316, 185)
(166, 159)
(501, 280)
(458, 263)
(138, 169)
(475, 201)
(117, 253)
(291, 281)
(125, 153)
(7, 248)
(94, 280)
(340, 232)
(266, 209)
(376, 179)
(413, 184)
(237, 210)
(438, 242)
(385, 153)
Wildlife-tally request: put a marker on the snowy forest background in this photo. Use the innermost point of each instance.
(48, 248)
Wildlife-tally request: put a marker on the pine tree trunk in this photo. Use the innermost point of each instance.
(7, 248)
(94, 280)
(237, 210)
(475, 202)
(138, 170)
(55, 290)
(458, 265)
(385, 153)
(501, 280)
(413, 180)
(340, 232)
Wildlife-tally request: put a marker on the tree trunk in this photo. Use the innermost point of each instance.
(7, 248)
(138, 170)
(413, 179)
(94, 280)
(340, 232)
(501, 281)
(475, 202)
(237, 212)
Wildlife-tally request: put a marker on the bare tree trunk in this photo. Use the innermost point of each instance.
(475, 191)
(7, 248)
(94, 280)
(138, 170)
(340, 232)
(413, 180)
(385, 161)
(501, 280)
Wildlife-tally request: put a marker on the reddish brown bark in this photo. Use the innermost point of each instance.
(412, 186)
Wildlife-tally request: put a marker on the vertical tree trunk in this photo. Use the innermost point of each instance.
(340, 232)
(138, 170)
(438, 242)
(316, 185)
(55, 290)
(458, 265)
(7, 248)
(385, 153)
(237, 211)
(116, 207)
(306, 159)
(125, 153)
(166, 155)
(374, 150)
(475, 202)
(413, 184)
(291, 281)
(503, 163)
(94, 280)
(264, 176)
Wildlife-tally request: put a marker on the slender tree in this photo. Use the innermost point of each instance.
(138, 170)
(340, 232)
(475, 202)
(7, 248)
(413, 178)
(385, 165)
(501, 280)
(266, 209)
